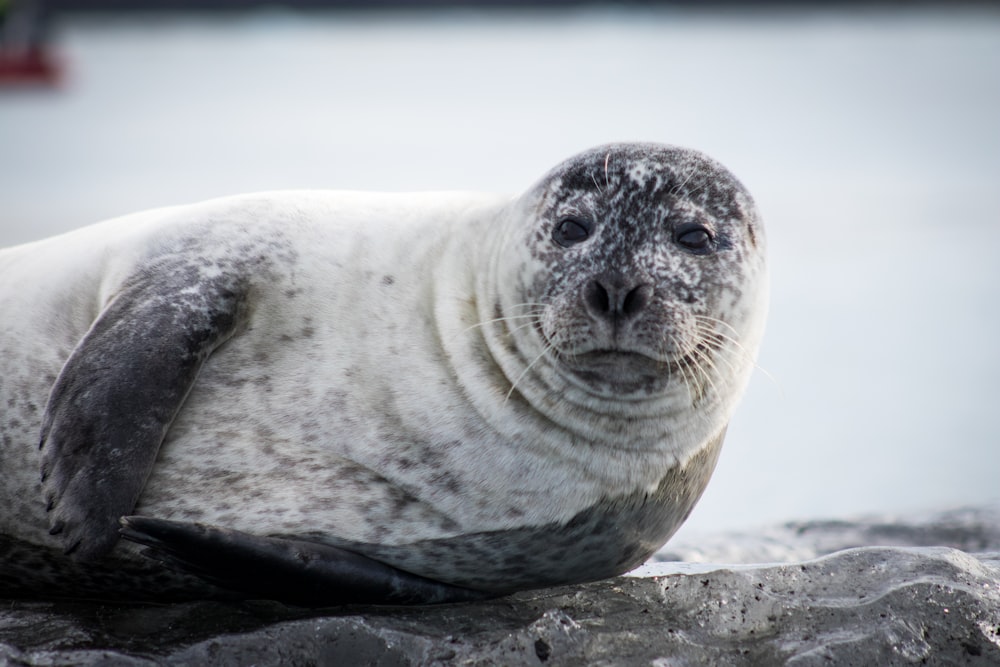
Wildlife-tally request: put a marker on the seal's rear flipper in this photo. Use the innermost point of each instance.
(288, 570)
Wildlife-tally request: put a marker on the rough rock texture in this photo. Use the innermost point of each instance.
(972, 529)
(872, 605)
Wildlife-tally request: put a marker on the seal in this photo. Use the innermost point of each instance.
(330, 397)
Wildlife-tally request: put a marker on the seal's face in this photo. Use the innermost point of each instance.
(646, 266)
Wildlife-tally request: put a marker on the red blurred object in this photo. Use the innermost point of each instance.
(32, 66)
(25, 56)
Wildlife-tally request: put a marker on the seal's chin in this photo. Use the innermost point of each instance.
(623, 371)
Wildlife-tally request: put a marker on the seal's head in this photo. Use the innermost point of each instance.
(642, 270)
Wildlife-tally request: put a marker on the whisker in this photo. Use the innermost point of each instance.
(676, 190)
(525, 372)
(690, 380)
(717, 346)
(536, 309)
(716, 320)
(500, 319)
(704, 359)
(723, 343)
(596, 184)
(529, 303)
(739, 347)
(686, 374)
(523, 326)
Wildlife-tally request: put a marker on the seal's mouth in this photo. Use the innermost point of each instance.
(613, 355)
(623, 371)
(618, 355)
(617, 363)
(628, 363)
(622, 364)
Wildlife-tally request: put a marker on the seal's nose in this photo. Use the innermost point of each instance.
(614, 298)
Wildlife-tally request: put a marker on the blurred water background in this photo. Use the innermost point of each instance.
(869, 136)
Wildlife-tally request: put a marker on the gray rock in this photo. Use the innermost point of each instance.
(972, 529)
(862, 606)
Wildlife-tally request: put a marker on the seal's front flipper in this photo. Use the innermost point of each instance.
(118, 393)
(285, 569)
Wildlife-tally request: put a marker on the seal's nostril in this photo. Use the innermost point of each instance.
(635, 300)
(597, 298)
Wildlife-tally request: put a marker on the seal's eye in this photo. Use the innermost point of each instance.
(694, 237)
(570, 231)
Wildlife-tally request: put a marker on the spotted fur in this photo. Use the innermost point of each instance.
(435, 381)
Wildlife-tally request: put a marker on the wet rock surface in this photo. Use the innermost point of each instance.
(869, 605)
